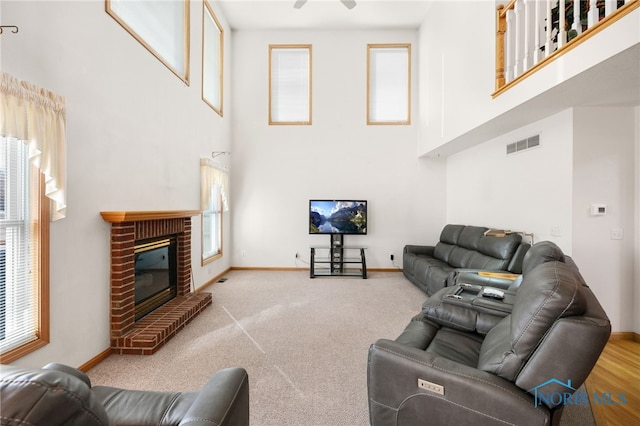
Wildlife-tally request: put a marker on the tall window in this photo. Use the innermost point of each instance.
(212, 58)
(24, 238)
(290, 84)
(212, 227)
(213, 202)
(32, 192)
(389, 84)
(160, 26)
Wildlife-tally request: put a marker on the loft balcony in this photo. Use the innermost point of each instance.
(532, 33)
(536, 72)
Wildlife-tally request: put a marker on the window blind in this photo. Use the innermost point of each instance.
(290, 85)
(19, 271)
(389, 84)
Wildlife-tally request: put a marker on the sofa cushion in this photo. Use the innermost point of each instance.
(470, 237)
(500, 247)
(457, 346)
(426, 268)
(548, 292)
(160, 408)
(442, 251)
(451, 233)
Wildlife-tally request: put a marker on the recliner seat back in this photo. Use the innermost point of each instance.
(46, 397)
(463, 246)
(553, 309)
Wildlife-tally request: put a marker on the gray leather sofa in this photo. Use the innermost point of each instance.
(461, 248)
(61, 395)
(450, 368)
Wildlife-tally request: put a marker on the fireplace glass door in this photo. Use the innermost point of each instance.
(155, 274)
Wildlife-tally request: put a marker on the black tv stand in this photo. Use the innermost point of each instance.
(336, 261)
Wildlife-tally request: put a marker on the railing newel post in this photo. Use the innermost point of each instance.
(500, 30)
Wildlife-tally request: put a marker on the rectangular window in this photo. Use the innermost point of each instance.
(212, 228)
(212, 58)
(290, 84)
(160, 26)
(389, 84)
(24, 253)
(214, 184)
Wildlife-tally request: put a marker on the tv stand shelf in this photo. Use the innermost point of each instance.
(335, 261)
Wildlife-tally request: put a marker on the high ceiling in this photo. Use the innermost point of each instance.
(323, 14)
(614, 82)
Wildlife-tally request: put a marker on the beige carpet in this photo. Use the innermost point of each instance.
(303, 341)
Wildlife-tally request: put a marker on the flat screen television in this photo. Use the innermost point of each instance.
(338, 217)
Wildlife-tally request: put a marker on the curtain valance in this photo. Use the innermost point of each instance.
(38, 118)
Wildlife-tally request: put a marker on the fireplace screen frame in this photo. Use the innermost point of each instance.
(166, 271)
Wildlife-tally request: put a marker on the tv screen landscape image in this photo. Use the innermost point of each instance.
(338, 217)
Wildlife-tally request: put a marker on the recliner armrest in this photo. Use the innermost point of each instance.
(224, 399)
(463, 307)
(68, 370)
(476, 397)
(419, 250)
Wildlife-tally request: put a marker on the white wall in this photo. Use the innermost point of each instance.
(135, 135)
(603, 173)
(277, 169)
(457, 69)
(527, 191)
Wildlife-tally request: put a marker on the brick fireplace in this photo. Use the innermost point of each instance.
(148, 334)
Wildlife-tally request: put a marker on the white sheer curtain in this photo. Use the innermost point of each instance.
(213, 177)
(37, 117)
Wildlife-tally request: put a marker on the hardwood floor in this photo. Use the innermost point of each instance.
(617, 373)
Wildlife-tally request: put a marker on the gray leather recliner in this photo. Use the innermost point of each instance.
(444, 370)
(61, 395)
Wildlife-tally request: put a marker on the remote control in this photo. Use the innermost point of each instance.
(492, 292)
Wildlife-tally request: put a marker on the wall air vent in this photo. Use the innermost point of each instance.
(523, 144)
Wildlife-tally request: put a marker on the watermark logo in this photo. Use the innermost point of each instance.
(571, 396)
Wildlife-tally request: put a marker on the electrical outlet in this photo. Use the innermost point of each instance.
(391, 256)
(297, 255)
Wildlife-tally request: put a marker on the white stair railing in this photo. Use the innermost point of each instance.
(530, 31)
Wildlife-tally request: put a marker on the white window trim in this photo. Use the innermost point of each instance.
(216, 47)
(112, 6)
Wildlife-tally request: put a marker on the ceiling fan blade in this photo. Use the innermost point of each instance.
(299, 3)
(350, 4)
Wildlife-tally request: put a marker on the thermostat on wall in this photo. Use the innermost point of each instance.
(598, 209)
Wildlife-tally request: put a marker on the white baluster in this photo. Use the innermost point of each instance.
(530, 31)
(519, 43)
(609, 7)
(538, 27)
(509, 39)
(593, 16)
(562, 32)
(549, 31)
(576, 17)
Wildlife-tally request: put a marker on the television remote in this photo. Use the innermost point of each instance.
(492, 292)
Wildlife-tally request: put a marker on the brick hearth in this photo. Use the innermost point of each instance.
(147, 335)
